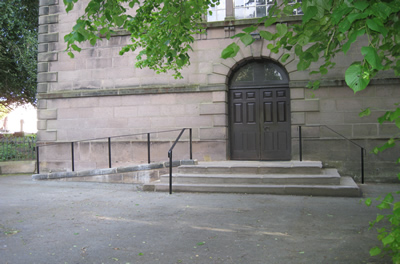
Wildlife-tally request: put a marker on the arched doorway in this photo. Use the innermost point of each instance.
(259, 112)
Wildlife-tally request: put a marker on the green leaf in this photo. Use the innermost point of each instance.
(339, 13)
(270, 21)
(281, 29)
(303, 65)
(352, 38)
(371, 56)
(71, 55)
(238, 35)
(381, 10)
(366, 112)
(250, 29)
(379, 218)
(230, 51)
(266, 35)
(309, 13)
(93, 41)
(387, 240)
(285, 57)
(375, 251)
(368, 201)
(353, 17)
(376, 25)
(361, 5)
(74, 47)
(247, 39)
(354, 78)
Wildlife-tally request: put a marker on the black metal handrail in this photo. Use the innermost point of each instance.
(170, 155)
(109, 146)
(351, 141)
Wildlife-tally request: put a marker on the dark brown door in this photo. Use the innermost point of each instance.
(260, 124)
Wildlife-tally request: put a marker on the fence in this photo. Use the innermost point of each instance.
(17, 148)
(108, 141)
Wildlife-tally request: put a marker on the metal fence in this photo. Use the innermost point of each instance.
(17, 148)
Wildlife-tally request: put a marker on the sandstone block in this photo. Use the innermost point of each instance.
(42, 124)
(43, 67)
(42, 57)
(48, 2)
(298, 118)
(305, 105)
(43, 47)
(47, 77)
(297, 93)
(213, 109)
(219, 96)
(45, 114)
(46, 136)
(42, 87)
(216, 133)
(50, 19)
(365, 130)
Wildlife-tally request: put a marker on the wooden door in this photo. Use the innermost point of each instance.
(260, 124)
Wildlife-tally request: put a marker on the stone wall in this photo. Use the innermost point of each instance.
(101, 94)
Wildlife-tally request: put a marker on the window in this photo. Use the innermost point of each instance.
(218, 12)
(245, 9)
(296, 11)
(251, 8)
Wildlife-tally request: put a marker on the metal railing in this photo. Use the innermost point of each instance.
(170, 155)
(349, 140)
(17, 148)
(109, 146)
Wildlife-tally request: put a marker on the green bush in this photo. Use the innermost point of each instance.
(17, 148)
(389, 231)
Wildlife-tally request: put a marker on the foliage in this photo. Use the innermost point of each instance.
(161, 30)
(389, 235)
(330, 27)
(18, 51)
(4, 111)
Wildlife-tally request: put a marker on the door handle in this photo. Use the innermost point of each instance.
(266, 128)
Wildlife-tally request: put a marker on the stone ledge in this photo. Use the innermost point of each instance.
(110, 172)
(130, 91)
(342, 83)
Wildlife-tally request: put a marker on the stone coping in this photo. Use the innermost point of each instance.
(108, 171)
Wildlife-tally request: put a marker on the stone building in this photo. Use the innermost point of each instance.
(246, 108)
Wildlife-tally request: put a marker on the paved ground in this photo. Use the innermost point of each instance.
(69, 222)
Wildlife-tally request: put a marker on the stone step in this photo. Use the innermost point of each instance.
(329, 177)
(253, 167)
(346, 188)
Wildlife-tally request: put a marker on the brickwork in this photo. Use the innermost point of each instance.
(101, 94)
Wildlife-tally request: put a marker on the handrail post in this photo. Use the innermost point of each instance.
(37, 159)
(170, 171)
(109, 152)
(362, 165)
(148, 148)
(300, 145)
(191, 148)
(72, 156)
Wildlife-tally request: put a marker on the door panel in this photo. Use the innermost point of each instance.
(260, 124)
(244, 124)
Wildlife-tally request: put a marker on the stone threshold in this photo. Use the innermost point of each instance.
(142, 173)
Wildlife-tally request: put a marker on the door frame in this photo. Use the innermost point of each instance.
(275, 84)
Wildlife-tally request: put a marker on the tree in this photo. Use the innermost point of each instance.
(330, 27)
(18, 51)
(161, 29)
